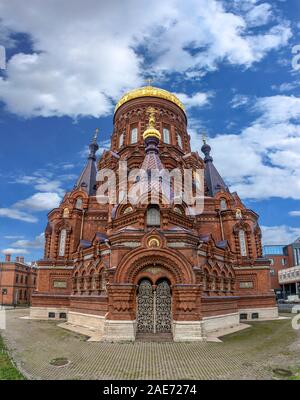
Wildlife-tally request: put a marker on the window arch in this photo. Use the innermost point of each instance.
(223, 204)
(78, 204)
(242, 240)
(121, 140)
(102, 280)
(66, 213)
(178, 210)
(153, 216)
(62, 242)
(179, 140)
(133, 135)
(127, 210)
(166, 135)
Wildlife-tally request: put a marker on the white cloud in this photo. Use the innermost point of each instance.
(43, 180)
(14, 251)
(196, 100)
(287, 86)
(68, 166)
(281, 234)
(39, 202)
(263, 161)
(276, 109)
(83, 60)
(259, 15)
(13, 237)
(37, 243)
(17, 214)
(239, 100)
(294, 213)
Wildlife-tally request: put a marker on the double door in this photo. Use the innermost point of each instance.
(154, 307)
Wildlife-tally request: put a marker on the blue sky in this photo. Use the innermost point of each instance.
(69, 62)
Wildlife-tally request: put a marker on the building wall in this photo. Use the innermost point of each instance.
(108, 250)
(18, 281)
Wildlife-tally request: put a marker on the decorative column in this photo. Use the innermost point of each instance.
(120, 323)
(187, 324)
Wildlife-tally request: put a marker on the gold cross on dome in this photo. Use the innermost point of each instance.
(149, 81)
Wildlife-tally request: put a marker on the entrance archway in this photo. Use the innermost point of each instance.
(154, 307)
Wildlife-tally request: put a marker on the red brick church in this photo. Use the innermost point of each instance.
(126, 270)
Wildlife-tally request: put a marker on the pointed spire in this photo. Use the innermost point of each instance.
(213, 179)
(94, 145)
(87, 179)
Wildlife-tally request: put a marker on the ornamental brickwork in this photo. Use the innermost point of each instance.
(96, 255)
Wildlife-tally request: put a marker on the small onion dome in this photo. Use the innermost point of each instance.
(151, 131)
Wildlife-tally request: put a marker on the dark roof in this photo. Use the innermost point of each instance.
(87, 179)
(84, 244)
(212, 177)
(222, 244)
(102, 237)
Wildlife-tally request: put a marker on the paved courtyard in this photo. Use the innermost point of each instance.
(249, 354)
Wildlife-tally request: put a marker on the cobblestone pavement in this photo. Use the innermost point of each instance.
(250, 354)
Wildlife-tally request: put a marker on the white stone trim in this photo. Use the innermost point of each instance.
(187, 331)
(263, 313)
(223, 321)
(42, 312)
(90, 321)
(117, 331)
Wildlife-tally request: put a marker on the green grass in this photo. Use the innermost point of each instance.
(7, 369)
(296, 376)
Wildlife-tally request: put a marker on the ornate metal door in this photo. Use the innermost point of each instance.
(145, 321)
(154, 308)
(163, 308)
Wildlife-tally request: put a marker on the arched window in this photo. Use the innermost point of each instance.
(78, 204)
(93, 280)
(213, 282)
(223, 204)
(166, 135)
(198, 181)
(102, 281)
(66, 213)
(128, 210)
(121, 140)
(242, 239)
(133, 136)
(62, 242)
(179, 140)
(153, 216)
(178, 210)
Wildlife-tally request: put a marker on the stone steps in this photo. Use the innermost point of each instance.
(154, 337)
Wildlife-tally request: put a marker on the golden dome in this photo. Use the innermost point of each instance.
(151, 130)
(150, 91)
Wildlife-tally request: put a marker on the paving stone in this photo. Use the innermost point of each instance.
(33, 344)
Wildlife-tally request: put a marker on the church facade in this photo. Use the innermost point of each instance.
(152, 267)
